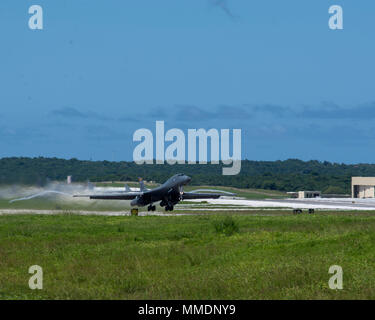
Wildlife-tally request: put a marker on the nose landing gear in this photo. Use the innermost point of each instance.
(151, 208)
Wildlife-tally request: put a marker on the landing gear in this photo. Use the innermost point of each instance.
(169, 207)
(167, 204)
(151, 208)
(297, 211)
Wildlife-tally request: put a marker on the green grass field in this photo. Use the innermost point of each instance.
(188, 257)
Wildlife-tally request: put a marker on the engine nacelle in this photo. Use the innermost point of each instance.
(137, 202)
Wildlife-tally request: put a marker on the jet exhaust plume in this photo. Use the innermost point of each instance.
(21, 193)
(40, 194)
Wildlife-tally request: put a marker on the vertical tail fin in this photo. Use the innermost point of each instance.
(141, 185)
(127, 189)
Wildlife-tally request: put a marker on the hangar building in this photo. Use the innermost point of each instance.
(363, 187)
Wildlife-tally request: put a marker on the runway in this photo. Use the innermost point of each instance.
(316, 203)
(87, 212)
(220, 206)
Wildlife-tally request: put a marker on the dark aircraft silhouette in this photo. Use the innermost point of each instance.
(169, 193)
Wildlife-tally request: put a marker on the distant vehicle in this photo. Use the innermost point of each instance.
(169, 194)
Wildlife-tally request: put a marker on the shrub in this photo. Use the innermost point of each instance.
(227, 226)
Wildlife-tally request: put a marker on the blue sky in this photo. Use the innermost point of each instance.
(99, 70)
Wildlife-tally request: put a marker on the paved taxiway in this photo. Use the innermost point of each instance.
(316, 203)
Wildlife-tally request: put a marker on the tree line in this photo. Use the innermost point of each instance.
(287, 175)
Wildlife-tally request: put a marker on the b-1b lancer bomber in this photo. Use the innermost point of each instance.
(169, 194)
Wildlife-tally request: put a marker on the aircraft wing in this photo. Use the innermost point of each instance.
(113, 196)
(194, 195)
(222, 192)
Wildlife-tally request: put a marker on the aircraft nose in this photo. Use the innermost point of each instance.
(188, 179)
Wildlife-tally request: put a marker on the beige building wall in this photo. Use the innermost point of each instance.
(363, 187)
(308, 194)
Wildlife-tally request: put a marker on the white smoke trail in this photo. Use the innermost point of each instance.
(64, 192)
(40, 194)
